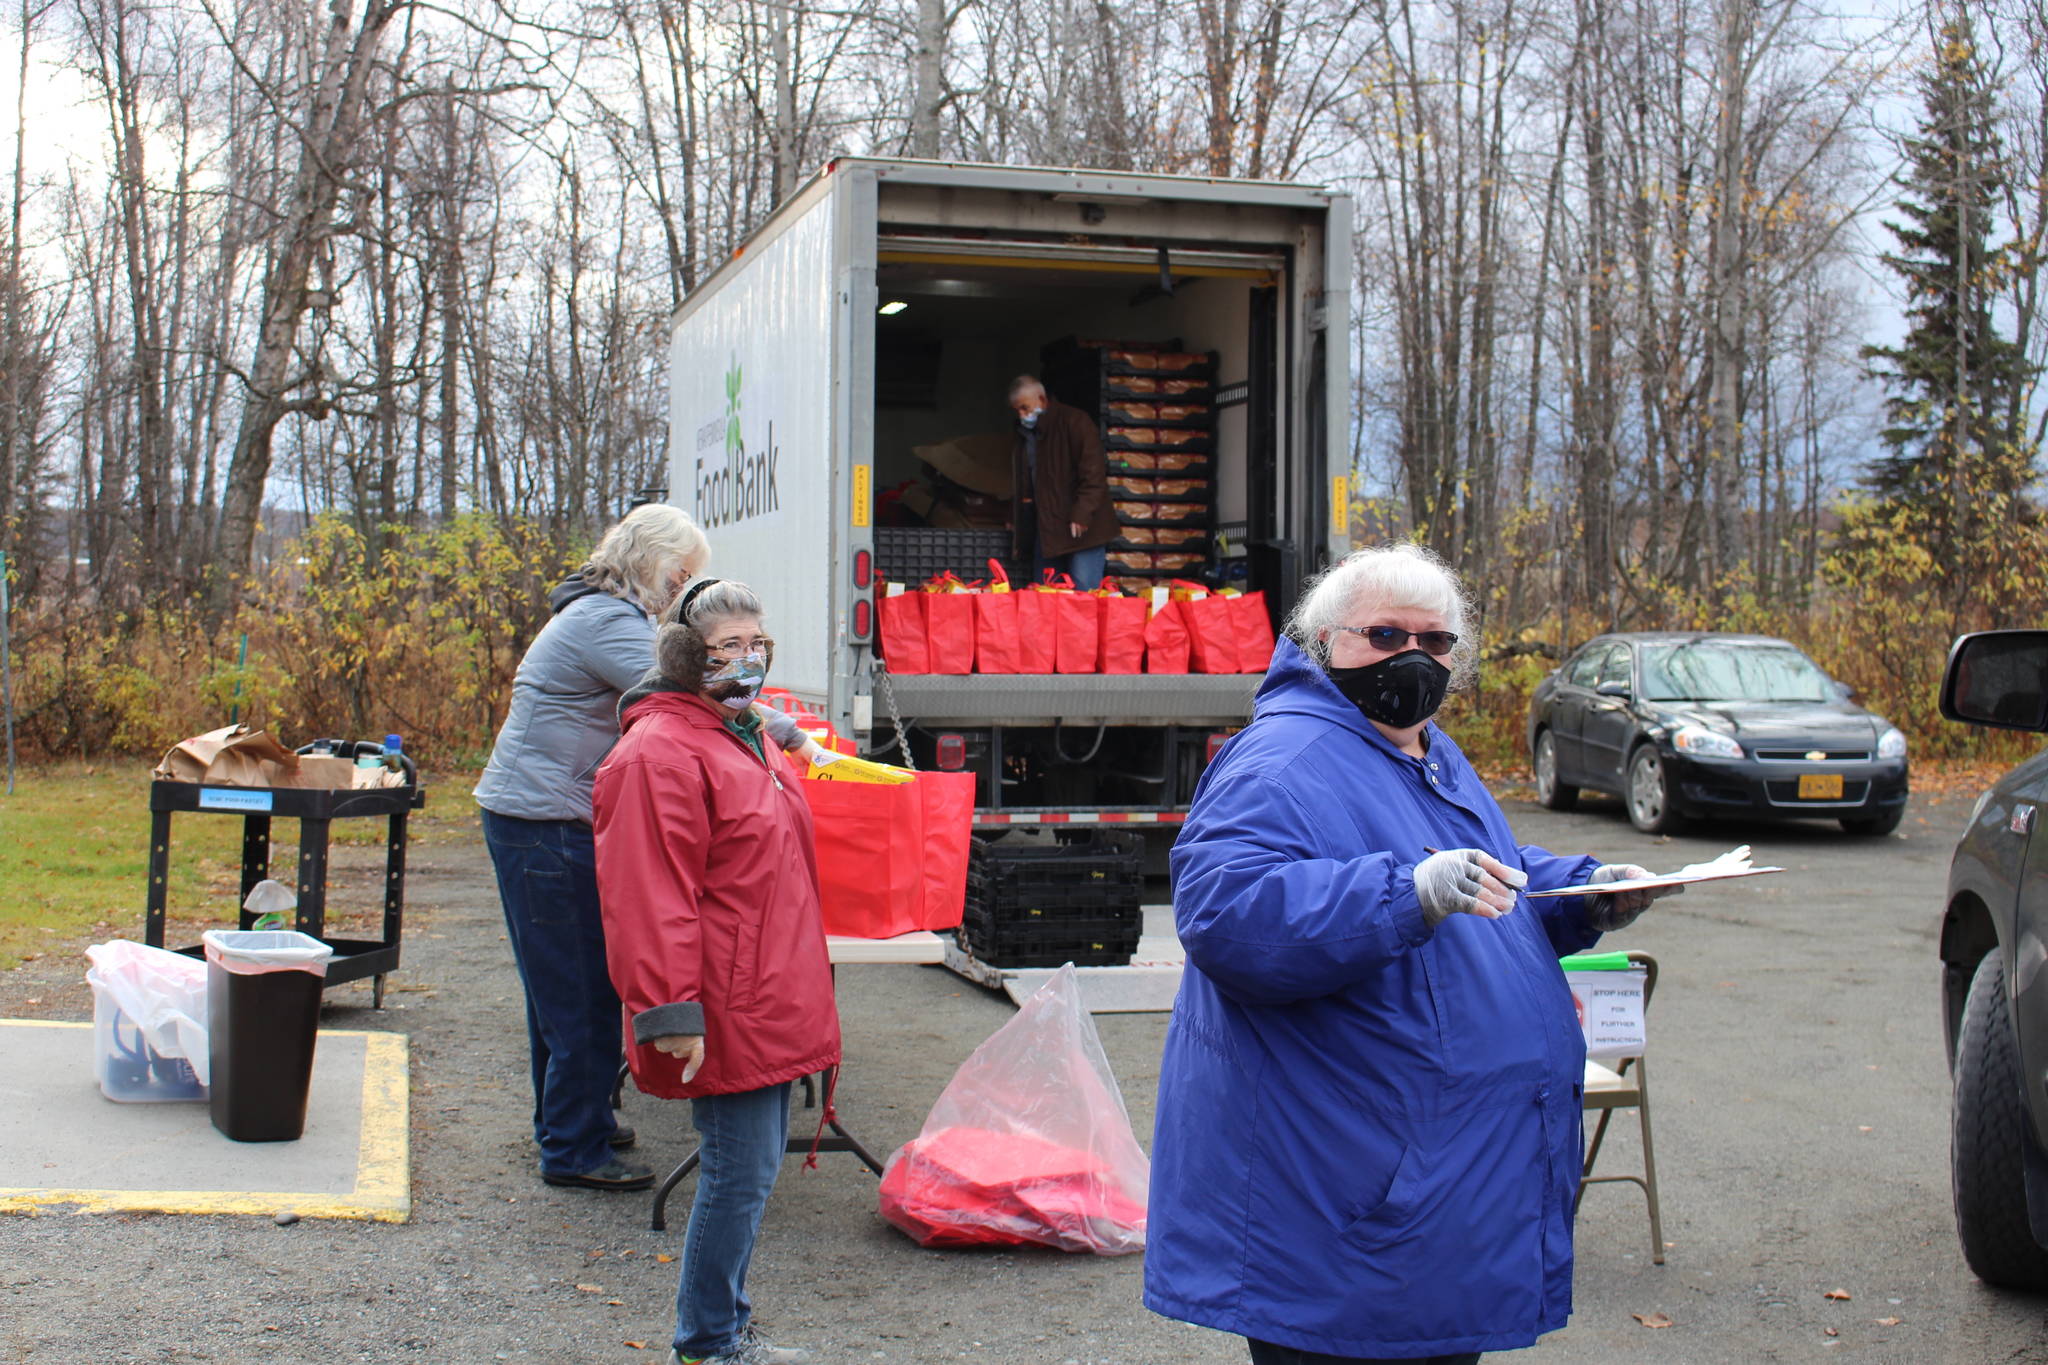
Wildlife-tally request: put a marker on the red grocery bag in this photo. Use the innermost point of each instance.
(1123, 633)
(1029, 1142)
(995, 631)
(1036, 612)
(903, 634)
(1254, 632)
(1212, 634)
(949, 625)
(892, 859)
(1166, 640)
(1077, 632)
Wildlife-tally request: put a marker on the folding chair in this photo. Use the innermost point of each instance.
(1624, 1086)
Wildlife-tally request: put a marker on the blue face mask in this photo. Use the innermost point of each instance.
(738, 682)
(1032, 420)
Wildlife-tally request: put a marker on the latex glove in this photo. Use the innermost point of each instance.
(1465, 881)
(809, 750)
(688, 1046)
(1618, 909)
(781, 728)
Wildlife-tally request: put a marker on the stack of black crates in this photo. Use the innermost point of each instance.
(912, 554)
(1042, 905)
(1156, 406)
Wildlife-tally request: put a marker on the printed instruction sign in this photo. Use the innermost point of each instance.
(1610, 1009)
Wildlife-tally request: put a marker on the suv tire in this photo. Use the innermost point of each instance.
(1987, 1150)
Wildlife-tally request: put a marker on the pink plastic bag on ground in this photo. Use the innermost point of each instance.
(1029, 1143)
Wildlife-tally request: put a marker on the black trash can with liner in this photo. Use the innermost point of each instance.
(263, 1017)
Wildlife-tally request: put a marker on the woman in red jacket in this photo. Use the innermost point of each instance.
(709, 886)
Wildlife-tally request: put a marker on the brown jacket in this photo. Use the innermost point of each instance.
(1072, 483)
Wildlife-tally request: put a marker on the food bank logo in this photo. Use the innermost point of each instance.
(733, 483)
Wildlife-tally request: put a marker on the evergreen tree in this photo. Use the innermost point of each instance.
(1954, 431)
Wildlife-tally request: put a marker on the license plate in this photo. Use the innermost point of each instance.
(1820, 786)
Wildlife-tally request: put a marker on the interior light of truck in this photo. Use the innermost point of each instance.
(892, 308)
(863, 569)
(863, 618)
(952, 755)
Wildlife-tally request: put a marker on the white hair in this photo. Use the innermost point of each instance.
(641, 552)
(1399, 577)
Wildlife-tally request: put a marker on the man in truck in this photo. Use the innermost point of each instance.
(1061, 514)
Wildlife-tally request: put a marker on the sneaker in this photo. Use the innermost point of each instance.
(622, 1137)
(613, 1175)
(750, 1349)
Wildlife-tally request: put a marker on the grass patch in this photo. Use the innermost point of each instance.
(74, 853)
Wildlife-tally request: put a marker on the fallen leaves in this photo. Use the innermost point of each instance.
(636, 1345)
(1889, 1322)
(1651, 1319)
(591, 1288)
(663, 1257)
(1840, 1295)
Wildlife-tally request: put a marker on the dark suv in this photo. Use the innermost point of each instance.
(1994, 979)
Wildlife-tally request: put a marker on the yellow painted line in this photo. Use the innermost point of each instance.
(383, 1192)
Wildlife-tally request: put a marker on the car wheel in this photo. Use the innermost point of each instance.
(1551, 792)
(1883, 823)
(1988, 1133)
(1648, 795)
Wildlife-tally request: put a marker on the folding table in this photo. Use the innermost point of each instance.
(922, 946)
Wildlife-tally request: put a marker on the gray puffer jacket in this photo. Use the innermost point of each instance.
(564, 714)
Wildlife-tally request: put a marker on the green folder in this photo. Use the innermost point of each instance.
(1595, 962)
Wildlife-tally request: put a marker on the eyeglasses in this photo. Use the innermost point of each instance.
(734, 647)
(1390, 638)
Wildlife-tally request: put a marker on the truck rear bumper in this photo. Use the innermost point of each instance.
(1218, 699)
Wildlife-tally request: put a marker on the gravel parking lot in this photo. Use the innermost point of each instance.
(1801, 1129)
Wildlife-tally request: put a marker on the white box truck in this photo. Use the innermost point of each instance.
(885, 309)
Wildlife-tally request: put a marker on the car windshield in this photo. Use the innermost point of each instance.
(1709, 670)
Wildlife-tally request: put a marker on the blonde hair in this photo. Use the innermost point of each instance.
(639, 554)
(1398, 577)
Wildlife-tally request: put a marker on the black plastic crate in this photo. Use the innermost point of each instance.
(1110, 862)
(1100, 950)
(912, 554)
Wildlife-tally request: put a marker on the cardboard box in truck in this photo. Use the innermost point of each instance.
(884, 310)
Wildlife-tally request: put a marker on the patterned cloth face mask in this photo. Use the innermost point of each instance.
(739, 681)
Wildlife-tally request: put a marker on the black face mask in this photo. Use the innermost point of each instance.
(1400, 691)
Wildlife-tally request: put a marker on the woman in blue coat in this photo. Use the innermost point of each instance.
(1368, 1129)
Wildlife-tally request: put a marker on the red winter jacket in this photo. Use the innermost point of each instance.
(709, 885)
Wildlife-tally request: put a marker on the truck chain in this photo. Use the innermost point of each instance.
(895, 715)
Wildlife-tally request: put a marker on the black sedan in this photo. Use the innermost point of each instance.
(1686, 725)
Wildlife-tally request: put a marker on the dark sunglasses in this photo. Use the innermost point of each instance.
(1391, 638)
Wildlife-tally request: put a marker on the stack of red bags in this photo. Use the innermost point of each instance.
(971, 1187)
(950, 625)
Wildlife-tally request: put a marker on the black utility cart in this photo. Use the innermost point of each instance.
(315, 809)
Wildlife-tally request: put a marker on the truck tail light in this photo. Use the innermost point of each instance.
(863, 569)
(952, 755)
(863, 618)
(1214, 746)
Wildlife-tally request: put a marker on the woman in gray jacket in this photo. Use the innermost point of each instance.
(535, 796)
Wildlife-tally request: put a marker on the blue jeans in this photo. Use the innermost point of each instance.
(740, 1143)
(1084, 566)
(547, 880)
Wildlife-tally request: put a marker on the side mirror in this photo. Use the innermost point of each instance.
(1842, 690)
(1613, 689)
(1998, 678)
